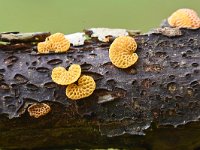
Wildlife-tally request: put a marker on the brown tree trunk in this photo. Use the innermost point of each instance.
(137, 107)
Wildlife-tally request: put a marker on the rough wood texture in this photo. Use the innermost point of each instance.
(162, 89)
(23, 37)
(21, 41)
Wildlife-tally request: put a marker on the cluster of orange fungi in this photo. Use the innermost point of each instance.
(86, 84)
(121, 53)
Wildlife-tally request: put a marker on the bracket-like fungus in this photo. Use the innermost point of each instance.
(44, 47)
(59, 42)
(39, 109)
(184, 18)
(56, 43)
(122, 50)
(59, 75)
(86, 86)
(63, 77)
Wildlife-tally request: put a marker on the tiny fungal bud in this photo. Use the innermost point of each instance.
(39, 109)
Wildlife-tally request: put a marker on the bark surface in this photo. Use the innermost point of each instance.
(160, 92)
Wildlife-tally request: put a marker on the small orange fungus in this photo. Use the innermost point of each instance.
(63, 77)
(56, 43)
(44, 47)
(184, 18)
(59, 42)
(86, 86)
(121, 52)
(39, 109)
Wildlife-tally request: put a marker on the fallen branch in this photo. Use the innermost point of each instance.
(162, 89)
(23, 37)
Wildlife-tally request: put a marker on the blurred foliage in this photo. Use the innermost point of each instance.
(74, 15)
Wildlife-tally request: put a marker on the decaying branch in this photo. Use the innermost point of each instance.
(134, 107)
(23, 37)
(21, 41)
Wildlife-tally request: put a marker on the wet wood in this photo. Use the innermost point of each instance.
(151, 105)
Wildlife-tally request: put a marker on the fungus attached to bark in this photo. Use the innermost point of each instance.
(59, 75)
(122, 50)
(184, 18)
(59, 42)
(56, 43)
(86, 86)
(39, 109)
(44, 47)
(63, 77)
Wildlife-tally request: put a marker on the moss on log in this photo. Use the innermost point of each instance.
(151, 105)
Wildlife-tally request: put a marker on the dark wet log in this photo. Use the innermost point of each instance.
(160, 92)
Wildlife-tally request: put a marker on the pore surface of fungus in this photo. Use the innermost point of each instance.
(86, 86)
(39, 109)
(55, 43)
(44, 47)
(59, 75)
(63, 77)
(184, 18)
(121, 52)
(59, 42)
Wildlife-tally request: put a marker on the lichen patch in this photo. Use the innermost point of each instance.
(76, 39)
(167, 31)
(103, 34)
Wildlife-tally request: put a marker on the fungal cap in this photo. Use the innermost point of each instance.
(73, 73)
(124, 44)
(56, 43)
(39, 109)
(58, 75)
(86, 86)
(124, 61)
(121, 52)
(43, 47)
(63, 77)
(184, 18)
(59, 42)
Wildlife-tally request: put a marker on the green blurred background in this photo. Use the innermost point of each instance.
(69, 16)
